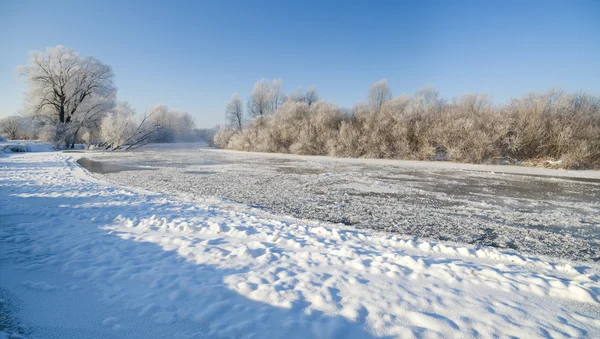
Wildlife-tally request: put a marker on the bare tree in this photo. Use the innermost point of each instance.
(266, 97)
(11, 127)
(311, 96)
(259, 101)
(184, 126)
(276, 95)
(120, 129)
(176, 125)
(427, 99)
(89, 116)
(474, 103)
(159, 116)
(379, 94)
(117, 126)
(144, 133)
(64, 88)
(234, 113)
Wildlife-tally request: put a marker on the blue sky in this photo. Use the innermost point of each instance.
(193, 55)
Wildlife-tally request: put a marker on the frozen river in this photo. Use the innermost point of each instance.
(538, 211)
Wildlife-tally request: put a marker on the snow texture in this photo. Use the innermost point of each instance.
(15, 146)
(91, 259)
(539, 211)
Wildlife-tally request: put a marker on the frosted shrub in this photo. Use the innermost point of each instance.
(384, 130)
(47, 133)
(548, 128)
(318, 129)
(467, 130)
(282, 129)
(555, 125)
(85, 136)
(348, 143)
(222, 138)
(242, 141)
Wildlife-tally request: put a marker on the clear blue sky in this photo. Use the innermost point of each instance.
(193, 55)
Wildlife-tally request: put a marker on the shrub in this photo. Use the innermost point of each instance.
(550, 129)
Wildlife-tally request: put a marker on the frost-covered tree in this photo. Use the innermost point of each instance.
(67, 90)
(234, 113)
(11, 127)
(121, 130)
(310, 97)
(276, 94)
(259, 102)
(427, 101)
(379, 94)
(266, 97)
(174, 125)
(159, 116)
(182, 125)
(118, 126)
(88, 117)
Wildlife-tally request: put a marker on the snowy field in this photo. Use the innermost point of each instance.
(141, 254)
(539, 211)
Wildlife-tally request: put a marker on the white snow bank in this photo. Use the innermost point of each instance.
(17, 146)
(205, 271)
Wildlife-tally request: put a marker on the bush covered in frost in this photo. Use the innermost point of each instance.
(551, 128)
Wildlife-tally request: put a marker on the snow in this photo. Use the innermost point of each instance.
(83, 257)
(25, 146)
(546, 214)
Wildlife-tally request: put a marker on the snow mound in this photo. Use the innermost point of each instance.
(19, 146)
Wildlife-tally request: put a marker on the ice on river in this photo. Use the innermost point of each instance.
(538, 211)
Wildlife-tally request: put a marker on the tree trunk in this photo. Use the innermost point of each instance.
(74, 139)
(61, 111)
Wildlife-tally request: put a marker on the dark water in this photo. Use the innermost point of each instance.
(102, 167)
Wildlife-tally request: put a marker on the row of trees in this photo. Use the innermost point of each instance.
(266, 98)
(72, 99)
(552, 127)
(122, 127)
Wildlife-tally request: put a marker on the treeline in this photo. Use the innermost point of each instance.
(72, 99)
(552, 128)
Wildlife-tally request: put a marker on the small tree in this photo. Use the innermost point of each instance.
(234, 113)
(266, 97)
(10, 127)
(259, 102)
(310, 97)
(379, 94)
(276, 94)
(118, 126)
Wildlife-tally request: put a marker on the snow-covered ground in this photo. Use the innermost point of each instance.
(85, 258)
(12, 146)
(539, 211)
